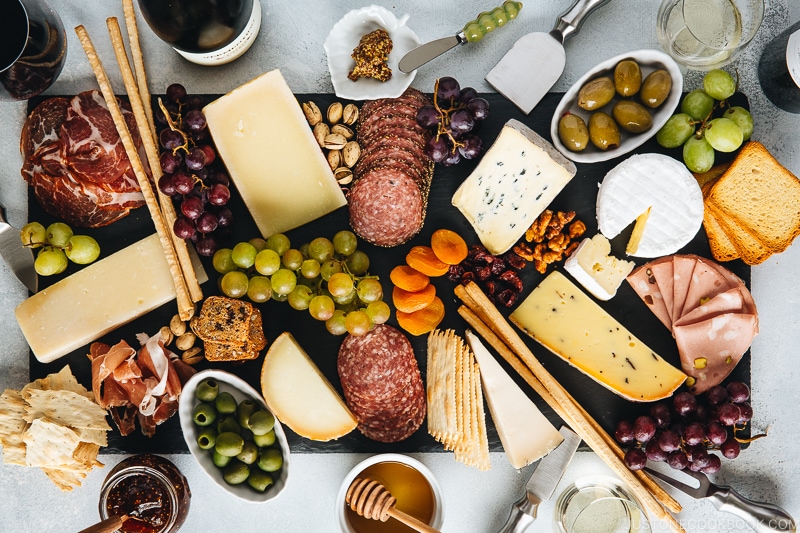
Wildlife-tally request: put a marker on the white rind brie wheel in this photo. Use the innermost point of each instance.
(660, 183)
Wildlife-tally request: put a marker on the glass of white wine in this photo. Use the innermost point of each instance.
(707, 34)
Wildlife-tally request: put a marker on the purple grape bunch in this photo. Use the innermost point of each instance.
(452, 118)
(199, 189)
(685, 431)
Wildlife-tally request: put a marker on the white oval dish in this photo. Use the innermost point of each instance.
(240, 390)
(344, 37)
(648, 60)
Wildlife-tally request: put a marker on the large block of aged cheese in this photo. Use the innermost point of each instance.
(299, 394)
(567, 322)
(98, 299)
(273, 159)
(514, 182)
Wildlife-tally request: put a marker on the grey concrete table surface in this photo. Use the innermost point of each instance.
(291, 39)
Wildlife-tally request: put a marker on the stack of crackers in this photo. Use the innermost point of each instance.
(55, 424)
(456, 417)
(231, 330)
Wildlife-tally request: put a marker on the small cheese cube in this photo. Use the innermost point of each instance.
(593, 267)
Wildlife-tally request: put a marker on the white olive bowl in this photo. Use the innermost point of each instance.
(648, 60)
(240, 390)
(345, 36)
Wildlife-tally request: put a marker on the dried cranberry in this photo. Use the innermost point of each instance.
(507, 297)
(455, 272)
(515, 261)
(491, 287)
(511, 277)
(483, 273)
(467, 277)
(498, 266)
(483, 256)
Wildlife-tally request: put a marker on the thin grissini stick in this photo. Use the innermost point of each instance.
(505, 352)
(139, 106)
(138, 61)
(489, 314)
(185, 305)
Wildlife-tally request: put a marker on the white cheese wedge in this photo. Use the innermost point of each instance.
(593, 266)
(514, 182)
(300, 396)
(664, 186)
(98, 299)
(273, 159)
(524, 431)
(570, 324)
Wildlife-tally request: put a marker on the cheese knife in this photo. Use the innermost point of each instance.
(537, 60)
(542, 483)
(18, 258)
(473, 32)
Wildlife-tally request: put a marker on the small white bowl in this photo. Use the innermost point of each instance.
(648, 60)
(240, 390)
(344, 37)
(341, 506)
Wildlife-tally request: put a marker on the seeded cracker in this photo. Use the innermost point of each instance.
(12, 424)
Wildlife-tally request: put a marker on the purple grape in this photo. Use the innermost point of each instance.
(182, 182)
(452, 158)
(170, 139)
(467, 94)
(206, 223)
(716, 433)
(224, 217)
(746, 413)
(195, 159)
(624, 432)
(165, 185)
(206, 246)
(201, 174)
(695, 467)
(220, 177)
(703, 413)
(717, 395)
(739, 391)
(193, 102)
(730, 448)
(195, 120)
(635, 459)
(479, 107)
(684, 403)
(437, 149)
(694, 433)
(176, 92)
(448, 91)
(701, 459)
(714, 464)
(183, 228)
(218, 194)
(660, 413)
(192, 207)
(654, 452)
(170, 162)
(200, 136)
(669, 441)
(427, 116)
(472, 146)
(211, 154)
(728, 414)
(677, 460)
(694, 451)
(462, 121)
(159, 116)
(644, 428)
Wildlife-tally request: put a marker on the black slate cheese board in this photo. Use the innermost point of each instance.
(580, 196)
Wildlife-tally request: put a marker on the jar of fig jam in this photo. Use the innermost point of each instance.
(150, 491)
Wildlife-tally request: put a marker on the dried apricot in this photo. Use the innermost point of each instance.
(448, 246)
(423, 259)
(423, 321)
(408, 279)
(408, 302)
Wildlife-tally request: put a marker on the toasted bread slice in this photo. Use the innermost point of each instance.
(223, 320)
(748, 246)
(721, 246)
(709, 176)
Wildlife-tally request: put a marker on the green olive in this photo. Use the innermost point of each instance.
(228, 424)
(632, 116)
(235, 473)
(207, 438)
(244, 410)
(207, 390)
(627, 77)
(573, 132)
(656, 88)
(204, 414)
(596, 93)
(249, 453)
(603, 131)
(220, 460)
(230, 444)
(261, 422)
(270, 460)
(268, 439)
(259, 480)
(225, 403)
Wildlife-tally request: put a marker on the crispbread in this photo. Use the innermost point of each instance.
(748, 246)
(65, 407)
(721, 246)
(232, 330)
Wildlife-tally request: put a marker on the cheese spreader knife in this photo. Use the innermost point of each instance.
(18, 258)
(537, 60)
(542, 483)
(473, 32)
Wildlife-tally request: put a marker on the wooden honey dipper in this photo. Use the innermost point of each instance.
(368, 498)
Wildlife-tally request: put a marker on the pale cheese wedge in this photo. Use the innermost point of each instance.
(300, 396)
(593, 266)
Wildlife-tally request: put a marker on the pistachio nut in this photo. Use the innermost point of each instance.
(335, 158)
(343, 175)
(185, 341)
(350, 153)
(335, 112)
(312, 113)
(321, 131)
(343, 130)
(166, 335)
(177, 326)
(350, 114)
(334, 141)
(192, 356)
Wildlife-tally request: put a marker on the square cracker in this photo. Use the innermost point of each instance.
(65, 407)
(49, 443)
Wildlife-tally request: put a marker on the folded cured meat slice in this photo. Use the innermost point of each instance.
(643, 281)
(682, 268)
(706, 282)
(730, 301)
(662, 271)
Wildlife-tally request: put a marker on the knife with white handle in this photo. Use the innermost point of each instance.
(18, 258)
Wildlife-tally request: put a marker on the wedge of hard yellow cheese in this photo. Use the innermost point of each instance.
(570, 324)
(299, 394)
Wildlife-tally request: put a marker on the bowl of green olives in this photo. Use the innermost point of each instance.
(234, 437)
(617, 106)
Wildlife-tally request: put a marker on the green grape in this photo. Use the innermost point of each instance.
(304, 249)
(82, 249)
(697, 104)
(369, 290)
(724, 135)
(719, 84)
(49, 261)
(340, 285)
(234, 284)
(345, 242)
(357, 323)
(259, 243)
(283, 281)
(675, 131)
(33, 234)
(279, 243)
(300, 297)
(320, 249)
(259, 289)
(378, 312)
(58, 234)
(267, 262)
(292, 259)
(742, 118)
(329, 268)
(244, 254)
(358, 263)
(280, 297)
(222, 261)
(310, 269)
(335, 324)
(321, 307)
(698, 154)
(347, 299)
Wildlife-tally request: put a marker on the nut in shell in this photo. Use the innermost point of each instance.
(312, 113)
(350, 114)
(177, 326)
(192, 356)
(350, 153)
(342, 130)
(166, 335)
(343, 175)
(321, 131)
(335, 111)
(334, 141)
(335, 158)
(185, 341)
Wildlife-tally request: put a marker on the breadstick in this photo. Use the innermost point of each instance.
(138, 62)
(185, 305)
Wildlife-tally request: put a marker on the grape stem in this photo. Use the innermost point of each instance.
(444, 117)
(718, 105)
(175, 127)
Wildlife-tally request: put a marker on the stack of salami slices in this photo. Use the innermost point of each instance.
(382, 384)
(708, 309)
(392, 178)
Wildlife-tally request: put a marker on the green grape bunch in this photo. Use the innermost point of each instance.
(706, 123)
(329, 278)
(57, 245)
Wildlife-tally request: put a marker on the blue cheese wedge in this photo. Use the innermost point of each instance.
(593, 266)
(514, 182)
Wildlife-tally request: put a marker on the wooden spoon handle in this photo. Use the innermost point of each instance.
(410, 521)
(109, 525)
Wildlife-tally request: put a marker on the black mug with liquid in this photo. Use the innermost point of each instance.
(33, 46)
